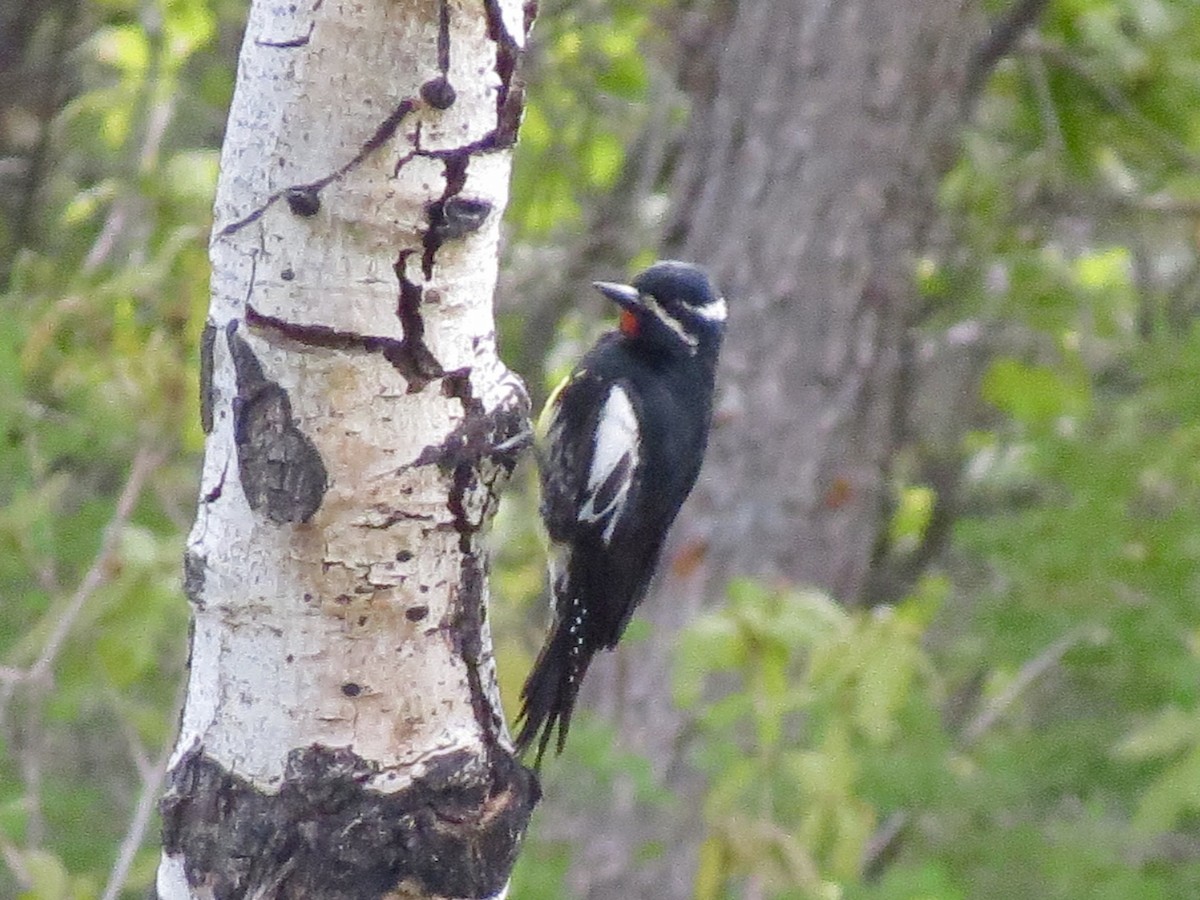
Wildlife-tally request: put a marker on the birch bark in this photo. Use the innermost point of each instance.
(342, 735)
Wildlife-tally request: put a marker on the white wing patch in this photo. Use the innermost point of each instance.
(614, 461)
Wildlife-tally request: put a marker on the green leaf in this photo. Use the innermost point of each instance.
(48, 876)
(1033, 394)
(1172, 730)
(1172, 795)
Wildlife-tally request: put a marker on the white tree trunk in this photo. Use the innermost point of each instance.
(342, 735)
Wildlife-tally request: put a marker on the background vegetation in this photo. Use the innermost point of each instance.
(1016, 716)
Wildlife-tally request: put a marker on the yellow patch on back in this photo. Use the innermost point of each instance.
(546, 417)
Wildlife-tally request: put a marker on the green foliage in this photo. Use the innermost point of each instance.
(1074, 576)
(828, 725)
(103, 307)
(1032, 729)
(587, 89)
(1027, 717)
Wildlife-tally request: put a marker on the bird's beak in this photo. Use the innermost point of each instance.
(623, 295)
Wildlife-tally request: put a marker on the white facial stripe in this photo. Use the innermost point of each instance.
(670, 321)
(714, 311)
(617, 442)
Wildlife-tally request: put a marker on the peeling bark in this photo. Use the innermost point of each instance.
(342, 734)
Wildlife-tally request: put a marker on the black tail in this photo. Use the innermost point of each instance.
(548, 698)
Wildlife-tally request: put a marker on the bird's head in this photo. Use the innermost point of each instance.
(672, 307)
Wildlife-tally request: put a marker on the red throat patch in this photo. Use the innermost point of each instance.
(629, 324)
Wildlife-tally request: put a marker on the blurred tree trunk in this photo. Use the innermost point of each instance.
(342, 734)
(819, 133)
(37, 79)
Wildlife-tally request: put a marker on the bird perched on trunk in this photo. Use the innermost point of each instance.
(620, 445)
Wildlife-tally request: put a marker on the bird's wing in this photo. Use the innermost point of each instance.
(614, 463)
(592, 460)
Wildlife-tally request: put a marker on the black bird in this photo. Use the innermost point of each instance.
(620, 445)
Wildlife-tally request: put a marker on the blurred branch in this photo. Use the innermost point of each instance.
(137, 750)
(1051, 126)
(29, 747)
(141, 150)
(1029, 673)
(135, 836)
(1112, 96)
(1001, 37)
(53, 97)
(1158, 203)
(144, 463)
(885, 843)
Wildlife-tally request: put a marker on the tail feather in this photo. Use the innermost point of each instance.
(548, 698)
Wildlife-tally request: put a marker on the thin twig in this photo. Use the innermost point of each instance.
(135, 836)
(137, 752)
(1113, 98)
(1030, 672)
(883, 843)
(1051, 126)
(886, 838)
(145, 462)
(1001, 38)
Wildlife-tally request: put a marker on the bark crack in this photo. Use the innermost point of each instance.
(420, 366)
(413, 367)
(455, 173)
(383, 133)
(217, 489)
(481, 449)
(208, 342)
(443, 38)
(510, 98)
(293, 42)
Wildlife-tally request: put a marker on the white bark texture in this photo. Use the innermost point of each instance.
(342, 734)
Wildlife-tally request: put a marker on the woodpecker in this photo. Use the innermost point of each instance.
(619, 447)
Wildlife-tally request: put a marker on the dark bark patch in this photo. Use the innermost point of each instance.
(303, 199)
(281, 471)
(208, 342)
(195, 567)
(416, 613)
(510, 98)
(455, 173)
(453, 833)
(439, 92)
(456, 218)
